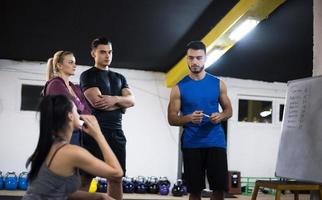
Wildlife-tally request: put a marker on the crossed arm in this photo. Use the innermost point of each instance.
(109, 103)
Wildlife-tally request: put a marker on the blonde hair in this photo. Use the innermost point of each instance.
(58, 57)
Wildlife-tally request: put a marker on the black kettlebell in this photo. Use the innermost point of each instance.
(102, 185)
(164, 181)
(178, 189)
(152, 185)
(128, 185)
(140, 185)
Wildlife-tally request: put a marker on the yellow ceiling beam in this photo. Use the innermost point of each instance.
(218, 36)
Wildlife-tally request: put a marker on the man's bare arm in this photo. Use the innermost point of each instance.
(225, 102)
(126, 100)
(225, 105)
(107, 102)
(93, 95)
(174, 117)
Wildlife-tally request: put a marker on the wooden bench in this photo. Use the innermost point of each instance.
(279, 186)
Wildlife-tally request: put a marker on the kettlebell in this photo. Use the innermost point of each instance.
(128, 185)
(11, 181)
(1, 181)
(177, 189)
(163, 190)
(153, 188)
(139, 184)
(184, 189)
(102, 185)
(164, 181)
(152, 185)
(23, 181)
(93, 185)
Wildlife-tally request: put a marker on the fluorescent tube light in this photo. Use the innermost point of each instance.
(213, 56)
(242, 29)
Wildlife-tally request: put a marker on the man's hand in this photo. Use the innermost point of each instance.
(105, 101)
(196, 117)
(216, 117)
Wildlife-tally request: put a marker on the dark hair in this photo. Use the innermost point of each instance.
(100, 40)
(196, 45)
(53, 118)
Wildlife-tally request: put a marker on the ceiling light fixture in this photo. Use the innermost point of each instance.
(239, 21)
(242, 29)
(213, 56)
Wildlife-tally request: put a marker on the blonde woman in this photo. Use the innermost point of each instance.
(60, 68)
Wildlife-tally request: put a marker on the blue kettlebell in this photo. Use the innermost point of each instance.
(23, 181)
(164, 185)
(11, 181)
(184, 189)
(164, 190)
(1, 181)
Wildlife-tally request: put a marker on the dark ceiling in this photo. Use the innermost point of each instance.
(152, 34)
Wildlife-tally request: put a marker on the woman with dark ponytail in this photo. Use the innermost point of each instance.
(55, 162)
(60, 68)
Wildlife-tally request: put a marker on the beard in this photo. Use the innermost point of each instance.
(196, 69)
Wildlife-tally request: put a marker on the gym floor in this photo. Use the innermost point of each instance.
(8, 195)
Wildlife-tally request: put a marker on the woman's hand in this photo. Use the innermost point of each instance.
(91, 126)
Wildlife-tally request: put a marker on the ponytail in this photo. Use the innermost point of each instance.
(52, 69)
(53, 119)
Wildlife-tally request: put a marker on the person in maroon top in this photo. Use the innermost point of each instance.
(60, 68)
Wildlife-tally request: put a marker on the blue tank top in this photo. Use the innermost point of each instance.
(201, 95)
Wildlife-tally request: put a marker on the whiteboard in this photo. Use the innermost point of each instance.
(300, 149)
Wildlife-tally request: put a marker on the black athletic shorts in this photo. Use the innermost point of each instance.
(115, 139)
(199, 162)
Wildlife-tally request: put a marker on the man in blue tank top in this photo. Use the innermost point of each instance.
(194, 103)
